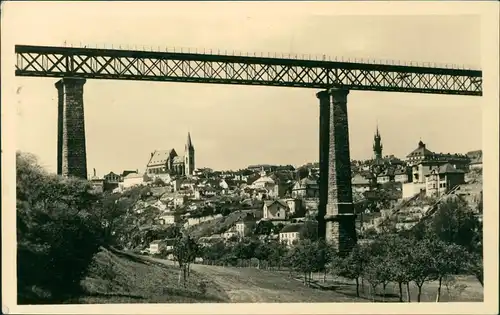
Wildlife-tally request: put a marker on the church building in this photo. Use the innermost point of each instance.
(169, 162)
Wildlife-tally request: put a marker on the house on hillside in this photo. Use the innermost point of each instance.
(360, 183)
(157, 246)
(294, 205)
(97, 183)
(440, 180)
(245, 226)
(476, 163)
(402, 174)
(188, 184)
(264, 182)
(169, 218)
(387, 175)
(112, 178)
(307, 187)
(179, 200)
(290, 234)
(207, 241)
(275, 210)
(134, 179)
(160, 205)
(231, 233)
(198, 220)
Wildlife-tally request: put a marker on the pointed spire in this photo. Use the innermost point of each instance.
(377, 143)
(189, 143)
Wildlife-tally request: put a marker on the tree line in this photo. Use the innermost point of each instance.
(61, 225)
(449, 244)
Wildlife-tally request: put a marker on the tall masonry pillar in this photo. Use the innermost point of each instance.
(71, 147)
(324, 143)
(340, 216)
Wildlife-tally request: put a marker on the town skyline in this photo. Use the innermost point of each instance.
(142, 168)
(245, 125)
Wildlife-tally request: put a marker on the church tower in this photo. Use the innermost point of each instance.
(189, 156)
(377, 145)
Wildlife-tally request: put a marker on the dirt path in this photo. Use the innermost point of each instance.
(249, 285)
(237, 288)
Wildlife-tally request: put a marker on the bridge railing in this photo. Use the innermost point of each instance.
(281, 55)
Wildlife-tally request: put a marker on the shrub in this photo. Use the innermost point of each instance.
(57, 232)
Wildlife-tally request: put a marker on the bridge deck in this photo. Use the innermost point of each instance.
(93, 63)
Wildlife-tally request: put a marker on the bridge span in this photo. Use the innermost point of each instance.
(334, 78)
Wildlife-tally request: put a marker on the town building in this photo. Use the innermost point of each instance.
(290, 234)
(402, 174)
(245, 226)
(387, 175)
(275, 210)
(166, 245)
(113, 178)
(477, 163)
(168, 218)
(422, 161)
(442, 179)
(476, 159)
(306, 187)
(169, 162)
(97, 183)
(361, 182)
(134, 179)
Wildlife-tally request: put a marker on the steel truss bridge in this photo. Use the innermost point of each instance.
(336, 215)
(115, 64)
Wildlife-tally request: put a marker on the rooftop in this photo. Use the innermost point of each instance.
(291, 228)
(161, 156)
(420, 151)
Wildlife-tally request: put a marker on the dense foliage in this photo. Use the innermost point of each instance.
(61, 225)
(58, 233)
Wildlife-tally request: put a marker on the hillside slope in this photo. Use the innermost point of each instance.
(117, 277)
(251, 285)
(219, 225)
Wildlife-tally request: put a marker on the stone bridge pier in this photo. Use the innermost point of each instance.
(71, 147)
(336, 215)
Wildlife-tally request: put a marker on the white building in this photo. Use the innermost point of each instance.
(169, 218)
(275, 209)
(134, 179)
(291, 233)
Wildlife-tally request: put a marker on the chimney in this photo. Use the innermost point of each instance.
(94, 171)
(152, 153)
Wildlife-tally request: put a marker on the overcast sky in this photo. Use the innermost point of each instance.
(234, 126)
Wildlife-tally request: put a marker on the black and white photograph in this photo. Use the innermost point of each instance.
(185, 153)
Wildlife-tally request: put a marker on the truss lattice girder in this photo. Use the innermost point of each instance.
(42, 61)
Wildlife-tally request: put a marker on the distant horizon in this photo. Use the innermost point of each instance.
(101, 173)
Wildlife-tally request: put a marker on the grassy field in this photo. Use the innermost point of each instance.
(117, 277)
(254, 285)
(250, 285)
(462, 289)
